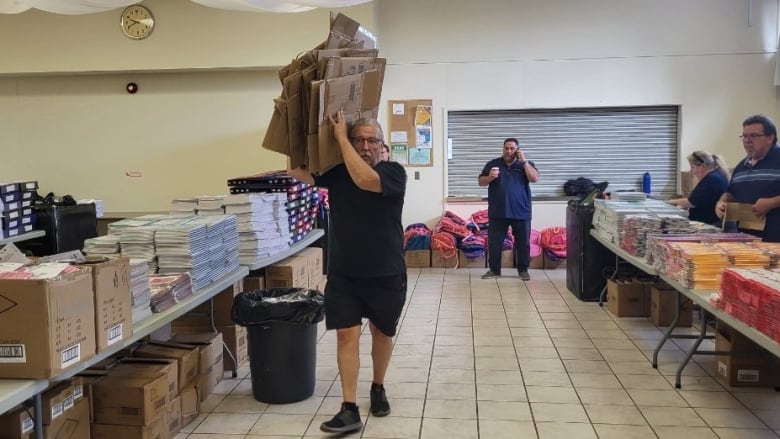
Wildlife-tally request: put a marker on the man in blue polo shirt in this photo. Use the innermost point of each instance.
(508, 180)
(756, 179)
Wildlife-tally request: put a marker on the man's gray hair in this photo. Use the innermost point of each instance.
(367, 122)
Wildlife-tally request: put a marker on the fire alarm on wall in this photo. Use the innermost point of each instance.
(131, 87)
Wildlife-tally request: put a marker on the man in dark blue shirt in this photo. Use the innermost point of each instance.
(367, 271)
(756, 179)
(508, 180)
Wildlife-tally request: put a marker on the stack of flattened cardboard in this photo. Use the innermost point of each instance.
(343, 73)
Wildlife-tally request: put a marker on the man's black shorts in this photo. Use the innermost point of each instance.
(380, 299)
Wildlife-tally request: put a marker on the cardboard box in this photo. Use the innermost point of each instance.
(235, 338)
(173, 417)
(113, 308)
(53, 402)
(129, 400)
(627, 298)
(190, 405)
(73, 424)
(63, 333)
(744, 368)
(89, 378)
(551, 264)
(254, 283)
(289, 273)
(187, 357)
(743, 214)
(321, 284)
(223, 303)
(314, 256)
(418, 258)
(155, 430)
(662, 305)
(478, 262)
(438, 260)
(507, 259)
(17, 424)
(537, 262)
(210, 367)
(151, 367)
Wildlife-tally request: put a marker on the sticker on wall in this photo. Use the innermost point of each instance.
(399, 153)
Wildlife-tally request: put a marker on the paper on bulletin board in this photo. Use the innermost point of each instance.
(419, 156)
(398, 137)
(399, 153)
(398, 109)
(423, 115)
(423, 136)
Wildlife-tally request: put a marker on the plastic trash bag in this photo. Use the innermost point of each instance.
(291, 305)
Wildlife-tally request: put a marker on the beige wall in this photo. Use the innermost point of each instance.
(188, 131)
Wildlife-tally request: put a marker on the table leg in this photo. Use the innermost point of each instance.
(694, 348)
(668, 333)
(38, 419)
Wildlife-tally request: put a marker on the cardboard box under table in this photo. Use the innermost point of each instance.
(210, 368)
(627, 298)
(64, 331)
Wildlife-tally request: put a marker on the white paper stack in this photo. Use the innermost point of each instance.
(186, 206)
(138, 243)
(215, 230)
(608, 216)
(211, 205)
(184, 248)
(263, 224)
(231, 243)
(107, 245)
(140, 289)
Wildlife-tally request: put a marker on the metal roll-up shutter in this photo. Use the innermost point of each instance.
(617, 145)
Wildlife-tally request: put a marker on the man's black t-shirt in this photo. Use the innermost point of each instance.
(366, 234)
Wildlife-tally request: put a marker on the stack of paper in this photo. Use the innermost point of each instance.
(107, 245)
(184, 248)
(140, 289)
(263, 224)
(168, 290)
(231, 243)
(215, 242)
(184, 206)
(211, 205)
(138, 243)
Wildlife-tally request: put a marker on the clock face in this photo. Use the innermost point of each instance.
(137, 22)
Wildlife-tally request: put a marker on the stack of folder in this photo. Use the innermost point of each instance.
(169, 290)
(140, 289)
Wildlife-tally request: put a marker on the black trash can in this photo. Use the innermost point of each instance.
(282, 341)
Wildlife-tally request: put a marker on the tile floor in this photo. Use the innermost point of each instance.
(503, 359)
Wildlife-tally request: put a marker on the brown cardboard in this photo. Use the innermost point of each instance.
(17, 424)
(89, 378)
(743, 214)
(418, 258)
(289, 273)
(63, 333)
(253, 283)
(314, 257)
(551, 264)
(187, 357)
(626, 298)
(276, 136)
(537, 262)
(507, 258)
(337, 67)
(173, 417)
(151, 367)
(322, 283)
(478, 262)
(744, 368)
(737, 342)
(74, 424)
(113, 307)
(235, 338)
(210, 365)
(129, 400)
(346, 32)
(662, 304)
(53, 402)
(190, 405)
(223, 303)
(293, 93)
(155, 430)
(439, 261)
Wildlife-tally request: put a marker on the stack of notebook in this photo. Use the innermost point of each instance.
(183, 248)
(140, 289)
(107, 245)
(184, 206)
(262, 223)
(211, 205)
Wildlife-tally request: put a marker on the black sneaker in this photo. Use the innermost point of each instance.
(490, 275)
(345, 421)
(524, 275)
(379, 405)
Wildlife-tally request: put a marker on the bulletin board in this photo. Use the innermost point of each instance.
(410, 136)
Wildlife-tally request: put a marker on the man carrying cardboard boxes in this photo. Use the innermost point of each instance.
(367, 273)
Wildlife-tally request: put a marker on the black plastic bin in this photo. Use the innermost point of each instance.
(282, 341)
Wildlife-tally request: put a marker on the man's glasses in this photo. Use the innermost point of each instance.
(751, 136)
(372, 141)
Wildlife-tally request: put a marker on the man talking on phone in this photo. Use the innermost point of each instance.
(509, 179)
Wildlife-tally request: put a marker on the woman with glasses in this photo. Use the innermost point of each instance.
(713, 176)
